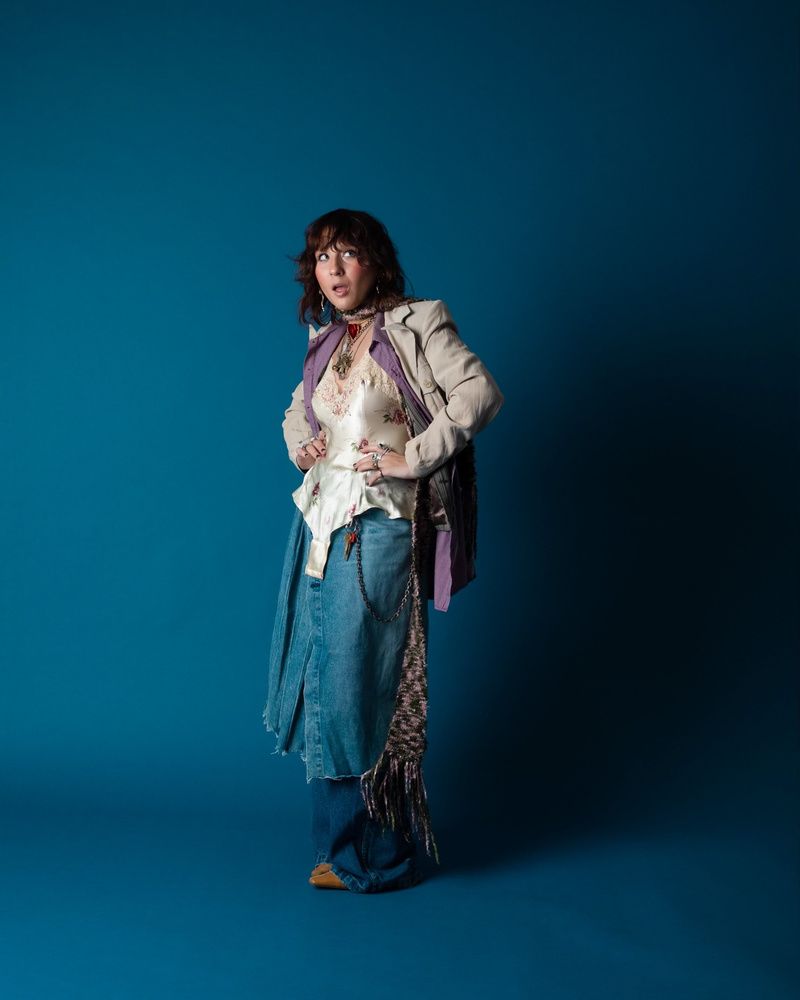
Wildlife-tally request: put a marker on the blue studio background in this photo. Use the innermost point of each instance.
(604, 195)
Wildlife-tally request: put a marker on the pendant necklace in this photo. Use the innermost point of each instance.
(344, 362)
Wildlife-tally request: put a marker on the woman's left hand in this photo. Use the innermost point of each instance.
(389, 464)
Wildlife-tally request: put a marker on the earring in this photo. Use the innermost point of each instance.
(322, 303)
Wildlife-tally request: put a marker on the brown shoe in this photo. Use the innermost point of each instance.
(327, 880)
(323, 866)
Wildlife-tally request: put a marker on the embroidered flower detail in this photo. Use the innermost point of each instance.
(351, 510)
(394, 417)
(315, 493)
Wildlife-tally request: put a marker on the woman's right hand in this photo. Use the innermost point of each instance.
(308, 453)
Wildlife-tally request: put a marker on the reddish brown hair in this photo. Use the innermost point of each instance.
(370, 238)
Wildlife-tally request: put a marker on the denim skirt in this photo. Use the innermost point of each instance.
(333, 669)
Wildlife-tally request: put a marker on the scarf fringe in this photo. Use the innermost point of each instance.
(395, 796)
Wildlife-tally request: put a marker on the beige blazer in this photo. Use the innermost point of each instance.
(453, 383)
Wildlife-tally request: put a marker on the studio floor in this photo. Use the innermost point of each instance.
(141, 905)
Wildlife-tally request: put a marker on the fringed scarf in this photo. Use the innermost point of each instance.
(394, 789)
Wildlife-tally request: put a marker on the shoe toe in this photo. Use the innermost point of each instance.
(327, 880)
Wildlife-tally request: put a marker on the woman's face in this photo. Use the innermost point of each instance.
(343, 280)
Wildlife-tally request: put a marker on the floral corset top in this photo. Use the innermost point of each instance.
(367, 409)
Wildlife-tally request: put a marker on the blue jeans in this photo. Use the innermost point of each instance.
(365, 857)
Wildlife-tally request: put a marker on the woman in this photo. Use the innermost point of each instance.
(385, 519)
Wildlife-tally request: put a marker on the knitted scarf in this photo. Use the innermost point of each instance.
(393, 789)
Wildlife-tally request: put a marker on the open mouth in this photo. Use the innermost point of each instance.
(340, 289)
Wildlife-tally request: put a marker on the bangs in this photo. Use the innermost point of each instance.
(350, 232)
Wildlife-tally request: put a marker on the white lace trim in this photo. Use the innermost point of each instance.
(366, 369)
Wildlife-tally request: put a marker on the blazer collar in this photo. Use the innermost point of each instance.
(396, 316)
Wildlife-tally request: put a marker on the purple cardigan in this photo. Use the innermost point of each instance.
(452, 570)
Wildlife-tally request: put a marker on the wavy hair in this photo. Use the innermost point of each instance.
(374, 245)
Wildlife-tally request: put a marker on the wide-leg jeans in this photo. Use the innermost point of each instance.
(365, 857)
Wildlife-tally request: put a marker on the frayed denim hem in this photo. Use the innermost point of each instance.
(407, 881)
(300, 752)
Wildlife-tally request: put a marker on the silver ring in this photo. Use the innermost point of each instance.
(375, 459)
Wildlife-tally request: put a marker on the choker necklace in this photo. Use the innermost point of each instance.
(350, 341)
(364, 312)
(359, 313)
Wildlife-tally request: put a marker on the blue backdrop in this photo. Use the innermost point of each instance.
(605, 197)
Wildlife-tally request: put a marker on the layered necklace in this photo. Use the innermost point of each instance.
(351, 340)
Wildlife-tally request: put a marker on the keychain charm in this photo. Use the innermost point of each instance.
(349, 540)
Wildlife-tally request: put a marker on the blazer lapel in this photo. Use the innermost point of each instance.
(321, 346)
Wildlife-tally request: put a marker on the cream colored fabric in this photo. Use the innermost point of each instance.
(367, 408)
(453, 383)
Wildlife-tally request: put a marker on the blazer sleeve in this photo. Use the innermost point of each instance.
(471, 396)
(296, 427)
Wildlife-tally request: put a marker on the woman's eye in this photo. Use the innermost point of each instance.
(322, 255)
